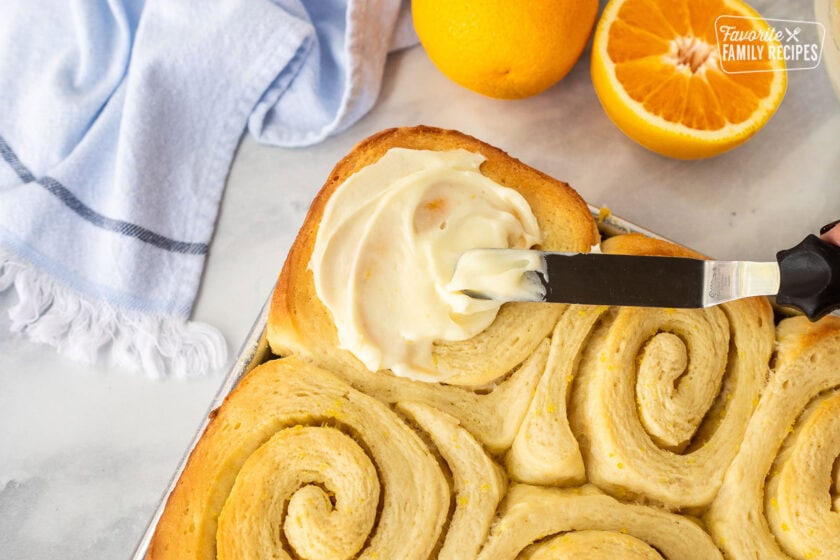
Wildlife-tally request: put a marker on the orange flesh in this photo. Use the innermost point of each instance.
(666, 58)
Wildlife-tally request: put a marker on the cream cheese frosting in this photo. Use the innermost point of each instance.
(386, 249)
(506, 275)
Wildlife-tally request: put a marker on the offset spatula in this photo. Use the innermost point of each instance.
(806, 277)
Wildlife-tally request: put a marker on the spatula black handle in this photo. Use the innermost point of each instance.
(810, 277)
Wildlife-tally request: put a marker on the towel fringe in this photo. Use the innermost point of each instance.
(81, 328)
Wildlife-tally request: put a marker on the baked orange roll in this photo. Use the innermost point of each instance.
(663, 396)
(299, 323)
(494, 373)
(530, 430)
(779, 498)
(296, 463)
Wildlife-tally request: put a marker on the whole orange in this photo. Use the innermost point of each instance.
(507, 49)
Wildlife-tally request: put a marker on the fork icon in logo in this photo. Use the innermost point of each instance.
(792, 35)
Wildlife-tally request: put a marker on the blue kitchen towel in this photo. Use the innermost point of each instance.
(118, 124)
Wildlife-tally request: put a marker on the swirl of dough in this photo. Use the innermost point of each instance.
(530, 514)
(779, 498)
(663, 396)
(478, 482)
(297, 464)
(544, 450)
(287, 472)
(593, 545)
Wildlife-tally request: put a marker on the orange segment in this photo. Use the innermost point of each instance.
(645, 15)
(702, 14)
(760, 83)
(628, 42)
(677, 15)
(737, 102)
(666, 81)
(668, 101)
(642, 77)
(702, 110)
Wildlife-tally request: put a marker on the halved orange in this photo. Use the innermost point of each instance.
(666, 79)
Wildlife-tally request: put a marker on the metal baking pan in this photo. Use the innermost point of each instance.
(255, 351)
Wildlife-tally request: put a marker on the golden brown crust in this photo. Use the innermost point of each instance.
(638, 244)
(298, 323)
(797, 335)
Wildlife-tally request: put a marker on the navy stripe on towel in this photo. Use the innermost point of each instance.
(12, 159)
(118, 226)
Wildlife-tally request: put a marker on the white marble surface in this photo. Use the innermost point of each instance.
(85, 452)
